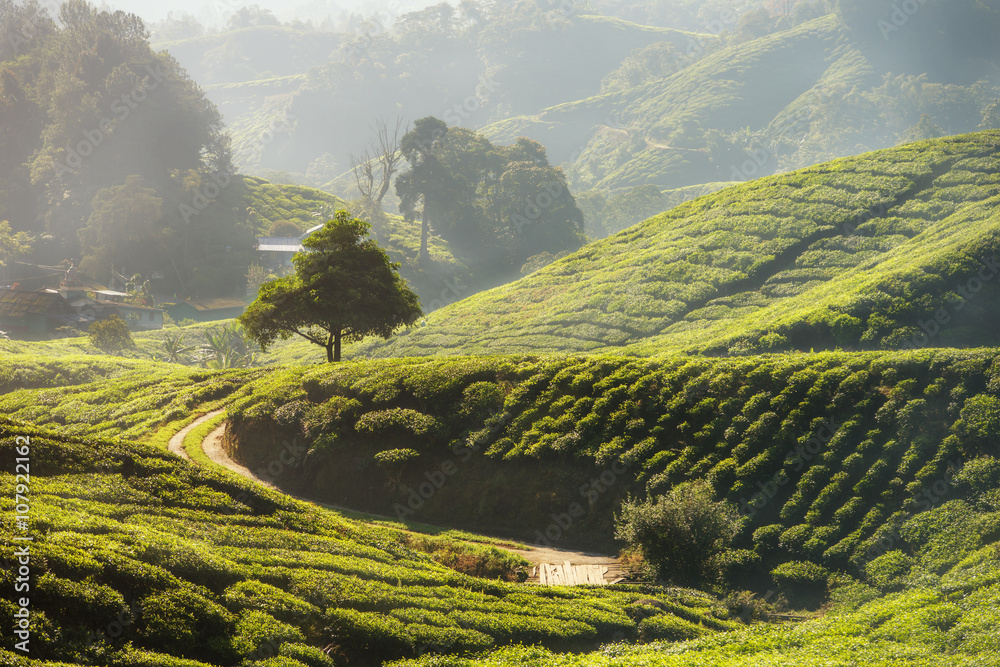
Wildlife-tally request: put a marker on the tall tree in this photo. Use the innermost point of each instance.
(427, 180)
(344, 288)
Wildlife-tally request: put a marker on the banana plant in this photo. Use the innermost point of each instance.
(175, 348)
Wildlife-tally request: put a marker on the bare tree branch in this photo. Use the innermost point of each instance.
(364, 174)
(386, 147)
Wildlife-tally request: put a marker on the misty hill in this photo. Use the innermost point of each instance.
(789, 99)
(677, 131)
(466, 67)
(762, 91)
(861, 252)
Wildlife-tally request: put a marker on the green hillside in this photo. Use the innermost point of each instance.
(859, 253)
(141, 559)
(870, 478)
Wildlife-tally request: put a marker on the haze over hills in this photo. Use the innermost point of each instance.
(737, 93)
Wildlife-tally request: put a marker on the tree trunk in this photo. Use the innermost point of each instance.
(336, 345)
(425, 225)
(329, 349)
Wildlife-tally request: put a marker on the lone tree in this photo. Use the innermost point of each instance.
(344, 288)
(683, 534)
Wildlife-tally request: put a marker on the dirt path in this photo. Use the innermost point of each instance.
(212, 446)
(176, 444)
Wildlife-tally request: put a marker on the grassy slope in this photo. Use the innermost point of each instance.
(142, 559)
(935, 620)
(287, 203)
(855, 252)
(889, 426)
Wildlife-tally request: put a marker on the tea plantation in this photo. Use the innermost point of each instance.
(141, 559)
(888, 250)
(866, 479)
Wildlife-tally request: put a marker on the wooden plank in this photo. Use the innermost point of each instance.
(568, 574)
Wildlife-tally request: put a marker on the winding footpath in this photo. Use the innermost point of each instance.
(537, 556)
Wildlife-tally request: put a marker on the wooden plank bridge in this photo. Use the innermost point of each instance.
(567, 574)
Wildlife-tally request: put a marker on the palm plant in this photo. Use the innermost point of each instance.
(174, 347)
(227, 347)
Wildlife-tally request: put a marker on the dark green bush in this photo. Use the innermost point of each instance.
(802, 582)
(680, 534)
(260, 635)
(307, 655)
(182, 622)
(886, 571)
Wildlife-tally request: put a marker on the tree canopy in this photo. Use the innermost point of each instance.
(344, 288)
(505, 203)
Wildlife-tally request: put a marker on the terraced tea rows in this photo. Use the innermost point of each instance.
(824, 454)
(855, 253)
(141, 559)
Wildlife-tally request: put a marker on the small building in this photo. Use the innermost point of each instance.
(37, 314)
(139, 318)
(277, 251)
(207, 310)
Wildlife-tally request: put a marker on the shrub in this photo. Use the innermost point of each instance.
(681, 533)
(259, 635)
(670, 628)
(110, 335)
(886, 571)
(264, 597)
(181, 622)
(308, 655)
(481, 398)
(398, 420)
(980, 475)
(802, 582)
(981, 418)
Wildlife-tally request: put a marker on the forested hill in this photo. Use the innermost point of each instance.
(887, 250)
